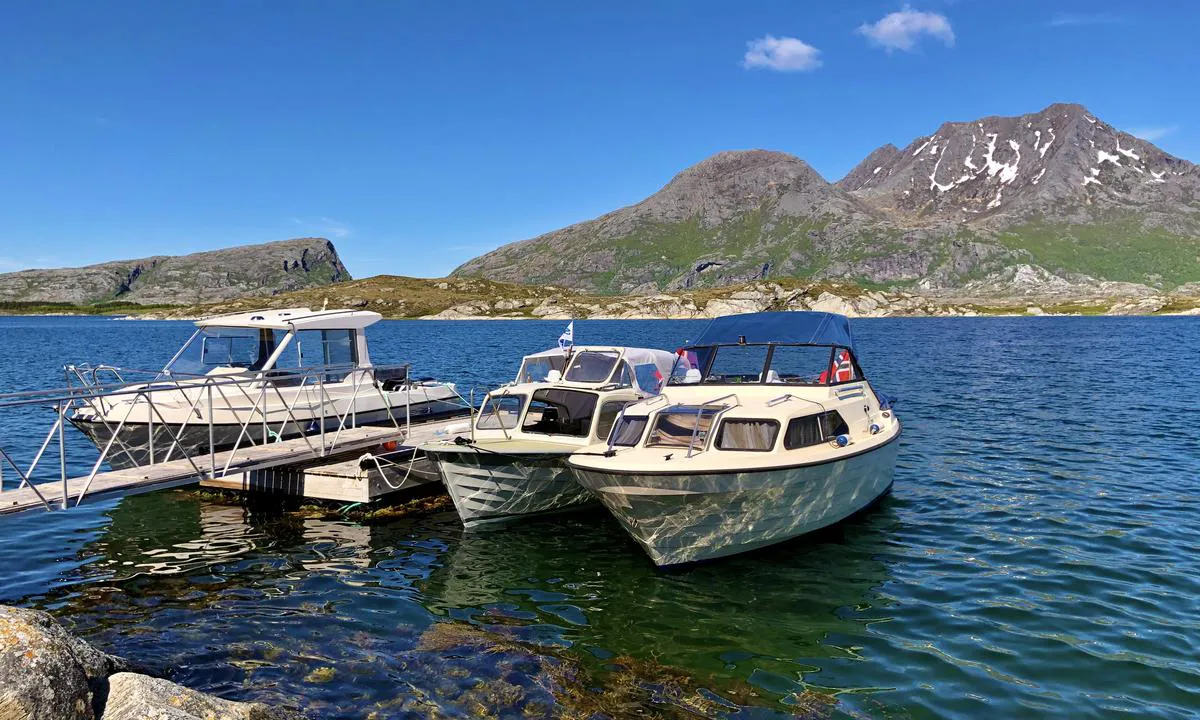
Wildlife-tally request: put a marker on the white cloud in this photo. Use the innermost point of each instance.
(903, 30)
(1072, 19)
(1153, 133)
(786, 54)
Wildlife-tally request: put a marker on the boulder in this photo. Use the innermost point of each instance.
(140, 697)
(46, 673)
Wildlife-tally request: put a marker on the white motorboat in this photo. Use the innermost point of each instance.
(253, 378)
(513, 463)
(767, 430)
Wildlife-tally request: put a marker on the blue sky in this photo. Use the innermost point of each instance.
(417, 135)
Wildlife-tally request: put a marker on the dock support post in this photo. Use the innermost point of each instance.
(212, 453)
(62, 451)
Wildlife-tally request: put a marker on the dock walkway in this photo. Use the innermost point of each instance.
(174, 473)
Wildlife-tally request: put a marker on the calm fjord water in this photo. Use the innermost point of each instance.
(1039, 555)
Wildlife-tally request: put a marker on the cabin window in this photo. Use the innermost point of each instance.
(624, 377)
(814, 429)
(609, 412)
(536, 369)
(737, 364)
(326, 348)
(682, 426)
(214, 347)
(649, 378)
(560, 412)
(591, 366)
(629, 431)
(689, 360)
(753, 435)
(802, 365)
(500, 412)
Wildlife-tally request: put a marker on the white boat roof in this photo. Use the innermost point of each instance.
(298, 318)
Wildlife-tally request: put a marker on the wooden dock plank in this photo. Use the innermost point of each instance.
(175, 473)
(341, 477)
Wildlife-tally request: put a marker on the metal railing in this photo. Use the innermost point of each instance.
(315, 404)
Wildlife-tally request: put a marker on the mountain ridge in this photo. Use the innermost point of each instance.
(208, 276)
(1058, 188)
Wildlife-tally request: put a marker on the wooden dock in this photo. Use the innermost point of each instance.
(175, 473)
(343, 478)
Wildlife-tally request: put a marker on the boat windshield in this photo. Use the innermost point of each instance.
(560, 412)
(500, 412)
(251, 348)
(771, 364)
(535, 368)
(592, 366)
(222, 347)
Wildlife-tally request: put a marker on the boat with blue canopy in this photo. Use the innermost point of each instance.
(768, 429)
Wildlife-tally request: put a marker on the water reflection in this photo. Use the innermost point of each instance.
(278, 606)
(771, 617)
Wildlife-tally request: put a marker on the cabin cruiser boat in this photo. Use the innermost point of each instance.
(513, 463)
(254, 378)
(767, 430)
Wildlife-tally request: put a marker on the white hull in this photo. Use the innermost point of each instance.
(685, 518)
(490, 487)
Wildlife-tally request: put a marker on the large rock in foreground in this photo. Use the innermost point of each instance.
(46, 673)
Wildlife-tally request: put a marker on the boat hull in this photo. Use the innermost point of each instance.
(490, 487)
(134, 442)
(680, 519)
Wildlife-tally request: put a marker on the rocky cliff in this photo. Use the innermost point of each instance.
(1059, 189)
(249, 270)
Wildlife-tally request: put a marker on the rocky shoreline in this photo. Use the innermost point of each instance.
(48, 674)
(1026, 290)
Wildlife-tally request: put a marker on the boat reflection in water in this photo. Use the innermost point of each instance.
(572, 580)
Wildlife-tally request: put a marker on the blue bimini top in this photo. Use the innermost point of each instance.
(783, 328)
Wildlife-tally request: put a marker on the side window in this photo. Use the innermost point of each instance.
(753, 435)
(609, 412)
(624, 379)
(629, 432)
(649, 378)
(682, 427)
(814, 429)
(318, 348)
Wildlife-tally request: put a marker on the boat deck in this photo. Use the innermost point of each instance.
(239, 463)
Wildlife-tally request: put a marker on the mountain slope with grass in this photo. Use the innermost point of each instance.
(1059, 190)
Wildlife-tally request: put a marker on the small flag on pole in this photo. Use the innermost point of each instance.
(567, 339)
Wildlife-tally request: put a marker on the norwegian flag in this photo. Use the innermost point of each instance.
(841, 370)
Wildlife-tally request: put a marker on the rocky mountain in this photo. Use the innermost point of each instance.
(1060, 190)
(248, 270)
(733, 217)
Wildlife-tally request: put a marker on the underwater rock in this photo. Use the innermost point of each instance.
(137, 697)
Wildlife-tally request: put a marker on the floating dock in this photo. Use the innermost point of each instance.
(311, 456)
(347, 479)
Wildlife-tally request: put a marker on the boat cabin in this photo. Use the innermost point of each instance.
(275, 342)
(574, 393)
(759, 382)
